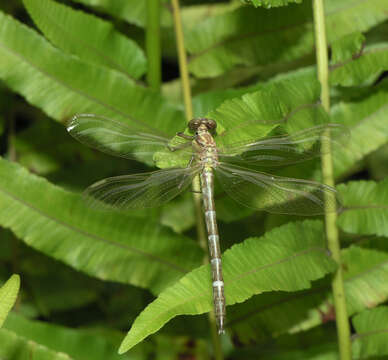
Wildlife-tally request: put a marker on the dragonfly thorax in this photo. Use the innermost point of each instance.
(205, 147)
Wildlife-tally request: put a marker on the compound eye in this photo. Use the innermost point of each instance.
(193, 124)
(211, 124)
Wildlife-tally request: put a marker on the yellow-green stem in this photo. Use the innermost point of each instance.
(343, 328)
(201, 231)
(183, 68)
(153, 47)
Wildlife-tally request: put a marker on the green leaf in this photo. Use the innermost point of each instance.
(270, 103)
(107, 245)
(205, 102)
(366, 209)
(16, 347)
(305, 88)
(289, 102)
(270, 315)
(90, 38)
(364, 67)
(365, 269)
(69, 341)
(133, 11)
(62, 85)
(254, 115)
(288, 258)
(270, 3)
(251, 37)
(8, 294)
(372, 333)
(347, 47)
(366, 119)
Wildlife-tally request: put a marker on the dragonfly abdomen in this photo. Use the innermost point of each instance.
(207, 183)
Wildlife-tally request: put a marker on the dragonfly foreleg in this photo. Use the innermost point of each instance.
(179, 147)
(184, 136)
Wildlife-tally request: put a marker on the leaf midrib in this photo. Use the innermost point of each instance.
(356, 57)
(368, 333)
(281, 261)
(108, 59)
(308, 293)
(232, 280)
(256, 33)
(93, 236)
(81, 93)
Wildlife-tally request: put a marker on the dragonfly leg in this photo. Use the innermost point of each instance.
(178, 147)
(188, 165)
(184, 136)
(190, 161)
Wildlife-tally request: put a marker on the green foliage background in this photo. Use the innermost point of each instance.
(88, 277)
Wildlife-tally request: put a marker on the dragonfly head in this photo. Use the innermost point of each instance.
(195, 123)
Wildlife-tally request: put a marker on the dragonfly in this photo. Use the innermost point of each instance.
(232, 164)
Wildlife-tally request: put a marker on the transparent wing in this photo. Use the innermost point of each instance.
(140, 190)
(287, 149)
(115, 138)
(275, 194)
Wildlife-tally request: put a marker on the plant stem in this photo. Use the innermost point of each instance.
(343, 328)
(201, 231)
(153, 47)
(183, 68)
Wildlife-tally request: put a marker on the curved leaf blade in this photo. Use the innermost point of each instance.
(366, 269)
(8, 295)
(90, 38)
(365, 282)
(291, 103)
(62, 85)
(366, 119)
(366, 209)
(132, 11)
(371, 338)
(239, 38)
(16, 347)
(347, 47)
(287, 258)
(268, 107)
(107, 245)
(366, 66)
(270, 315)
(67, 340)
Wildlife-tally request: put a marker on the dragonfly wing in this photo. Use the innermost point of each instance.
(140, 190)
(275, 194)
(288, 149)
(113, 137)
